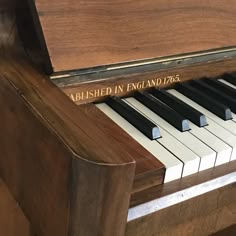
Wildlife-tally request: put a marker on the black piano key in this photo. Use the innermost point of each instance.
(231, 78)
(163, 111)
(224, 88)
(139, 121)
(202, 99)
(181, 107)
(214, 94)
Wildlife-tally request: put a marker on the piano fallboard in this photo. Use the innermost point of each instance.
(98, 33)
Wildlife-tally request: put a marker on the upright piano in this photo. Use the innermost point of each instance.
(119, 117)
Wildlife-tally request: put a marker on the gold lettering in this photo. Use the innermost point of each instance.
(71, 96)
(103, 92)
(90, 94)
(159, 82)
(152, 83)
(96, 93)
(134, 86)
(169, 79)
(109, 91)
(140, 85)
(118, 89)
(177, 78)
(129, 87)
(79, 96)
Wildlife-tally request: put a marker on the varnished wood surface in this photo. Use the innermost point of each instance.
(149, 170)
(47, 159)
(12, 220)
(199, 205)
(40, 92)
(82, 34)
(75, 88)
(48, 155)
(34, 165)
(18, 35)
(200, 216)
(185, 183)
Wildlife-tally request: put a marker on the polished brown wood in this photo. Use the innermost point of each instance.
(81, 34)
(204, 215)
(18, 35)
(149, 170)
(66, 172)
(78, 87)
(194, 213)
(55, 164)
(12, 220)
(182, 184)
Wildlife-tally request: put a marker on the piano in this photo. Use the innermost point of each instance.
(119, 117)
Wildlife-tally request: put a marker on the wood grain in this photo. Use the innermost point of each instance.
(205, 215)
(95, 33)
(149, 170)
(18, 35)
(53, 158)
(212, 211)
(12, 220)
(182, 184)
(49, 155)
(37, 176)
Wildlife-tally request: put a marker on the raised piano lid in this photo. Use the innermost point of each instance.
(83, 34)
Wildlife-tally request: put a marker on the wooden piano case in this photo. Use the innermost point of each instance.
(68, 174)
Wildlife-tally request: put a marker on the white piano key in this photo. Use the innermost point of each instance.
(227, 83)
(223, 151)
(190, 159)
(213, 127)
(207, 156)
(232, 86)
(173, 166)
(230, 125)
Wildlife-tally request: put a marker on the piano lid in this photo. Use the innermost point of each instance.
(82, 34)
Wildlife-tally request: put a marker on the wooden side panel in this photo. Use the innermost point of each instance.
(53, 162)
(34, 164)
(82, 34)
(100, 199)
(12, 220)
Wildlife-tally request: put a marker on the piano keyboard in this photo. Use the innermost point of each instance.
(188, 129)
